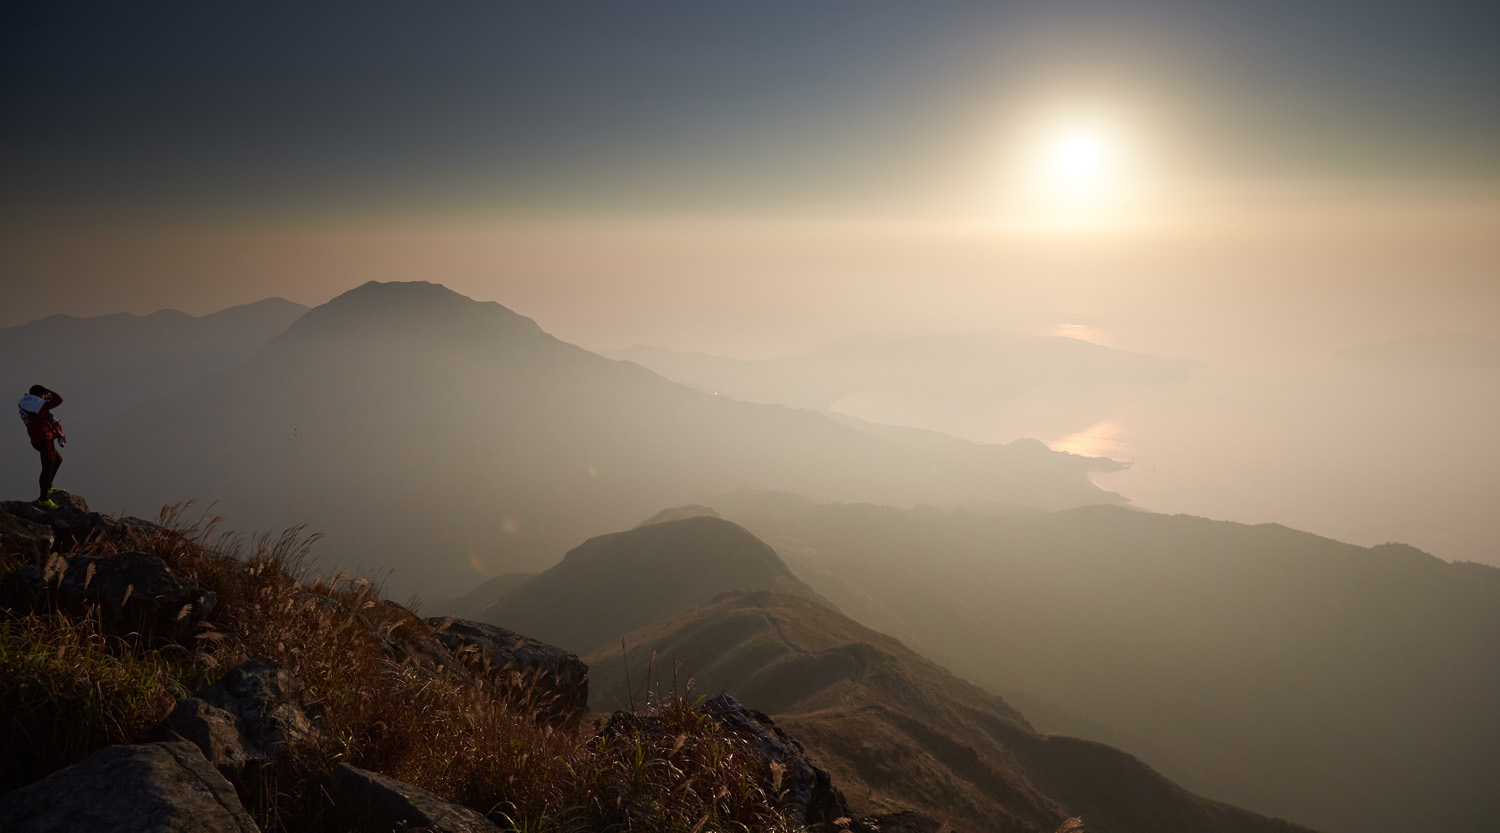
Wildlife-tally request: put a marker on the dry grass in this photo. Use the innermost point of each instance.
(67, 690)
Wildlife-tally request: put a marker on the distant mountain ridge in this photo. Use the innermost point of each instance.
(1344, 687)
(107, 364)
(897, 730)
(716, 604)
(120, 360)
(513, 445)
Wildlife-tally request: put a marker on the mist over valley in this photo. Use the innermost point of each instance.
(859, 416)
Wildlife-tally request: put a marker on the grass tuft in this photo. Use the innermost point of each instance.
(67, 689)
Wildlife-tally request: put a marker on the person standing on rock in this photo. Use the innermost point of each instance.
(43, 429)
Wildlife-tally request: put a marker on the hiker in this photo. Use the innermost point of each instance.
(43, 428)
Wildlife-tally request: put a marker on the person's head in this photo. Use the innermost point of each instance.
(38, 390)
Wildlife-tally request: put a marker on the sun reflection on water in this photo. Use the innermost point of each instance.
(1102, 439)
(1082, 332)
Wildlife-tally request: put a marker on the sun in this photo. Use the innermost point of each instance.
(1076, 165)
(1073, 172)
(1078, 160)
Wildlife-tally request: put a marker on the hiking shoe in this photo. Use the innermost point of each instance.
(53, 490)
(44, 503)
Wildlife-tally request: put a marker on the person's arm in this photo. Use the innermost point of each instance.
(50, 401)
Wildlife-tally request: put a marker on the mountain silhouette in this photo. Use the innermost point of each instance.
(492, 446)
(107, 364)
(895, 729)
(1343, 687)
(115, 361)
(613, 584)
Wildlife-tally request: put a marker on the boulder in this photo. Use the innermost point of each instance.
(552, 680)
(64, 528)
(132, 591)
(251, 715)
(22, 536)
(410, 640)
(806, 789)
(70, 524)
(212, 729)
(155, 788)
(368, 802)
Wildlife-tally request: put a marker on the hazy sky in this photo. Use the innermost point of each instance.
(197, 155)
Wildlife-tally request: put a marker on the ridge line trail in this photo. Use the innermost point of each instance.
(855, 680)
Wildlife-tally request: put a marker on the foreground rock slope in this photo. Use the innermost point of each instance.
(153, 788)
(317, 705)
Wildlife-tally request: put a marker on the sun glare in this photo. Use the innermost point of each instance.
(1077, 160)
(1073, 172)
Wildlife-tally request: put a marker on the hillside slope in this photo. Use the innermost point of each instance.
(895, 728)
(1343, 687)
(614, 584)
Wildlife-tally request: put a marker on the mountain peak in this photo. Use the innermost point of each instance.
(628, 579)
(418, 308)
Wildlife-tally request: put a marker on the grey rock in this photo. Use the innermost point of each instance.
(253, 714)
(405, 637)
(70, 524)
(410, 641)
(154, 788)
(24, 536)
(368, 802)
(66, 527)
(807, 790)
(557, 680)
(213, 730)
(132, 591)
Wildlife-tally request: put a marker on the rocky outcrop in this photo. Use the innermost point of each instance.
(252, 715)
(806, 790)
(369, 801)
(410, 640)
(132, 591)
(36, 532)
(552, 680)
(23, 536)
(155, 788)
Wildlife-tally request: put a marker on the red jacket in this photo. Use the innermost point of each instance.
(36, 412)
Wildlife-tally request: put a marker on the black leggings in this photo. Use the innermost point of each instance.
(51, 460)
